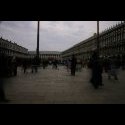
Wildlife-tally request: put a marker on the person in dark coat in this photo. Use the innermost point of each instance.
(123, 62)
(15, 67)
(96, 67)
(24, 66)
(35, 65)
(73, 65)
(3, 75)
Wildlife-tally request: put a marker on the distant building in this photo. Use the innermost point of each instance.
(12, 49)
(46, 55)
(112, 42)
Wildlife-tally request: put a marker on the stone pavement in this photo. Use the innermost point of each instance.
(50, 86)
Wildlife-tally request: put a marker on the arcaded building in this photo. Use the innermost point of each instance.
(111, 41)
(46, 55)
(12, 49)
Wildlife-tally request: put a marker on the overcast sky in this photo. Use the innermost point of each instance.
(54, 35)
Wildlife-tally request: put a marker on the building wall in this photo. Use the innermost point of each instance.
(112, 42)
(12, 49)
(46, 55)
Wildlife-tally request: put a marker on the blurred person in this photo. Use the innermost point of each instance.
(114, 67)
(96, 68)
(68, 65)
(3, 75)
(73, 65)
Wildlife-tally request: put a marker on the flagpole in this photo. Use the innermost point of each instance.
(38, 27)
(98, 47)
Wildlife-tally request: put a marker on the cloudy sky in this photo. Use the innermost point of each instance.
(54, 35)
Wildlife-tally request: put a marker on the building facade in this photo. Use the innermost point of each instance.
(46, 55)
(12, 49)
(111, 42)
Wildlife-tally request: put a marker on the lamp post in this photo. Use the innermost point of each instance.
(98, 46)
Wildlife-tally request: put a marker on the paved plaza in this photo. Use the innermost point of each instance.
(50, 86)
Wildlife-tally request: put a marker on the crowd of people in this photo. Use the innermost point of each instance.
(109, 65)
(8, 68)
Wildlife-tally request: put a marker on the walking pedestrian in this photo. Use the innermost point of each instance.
(96, 68)
(73, 65)
(3, 75)
(114, 67)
